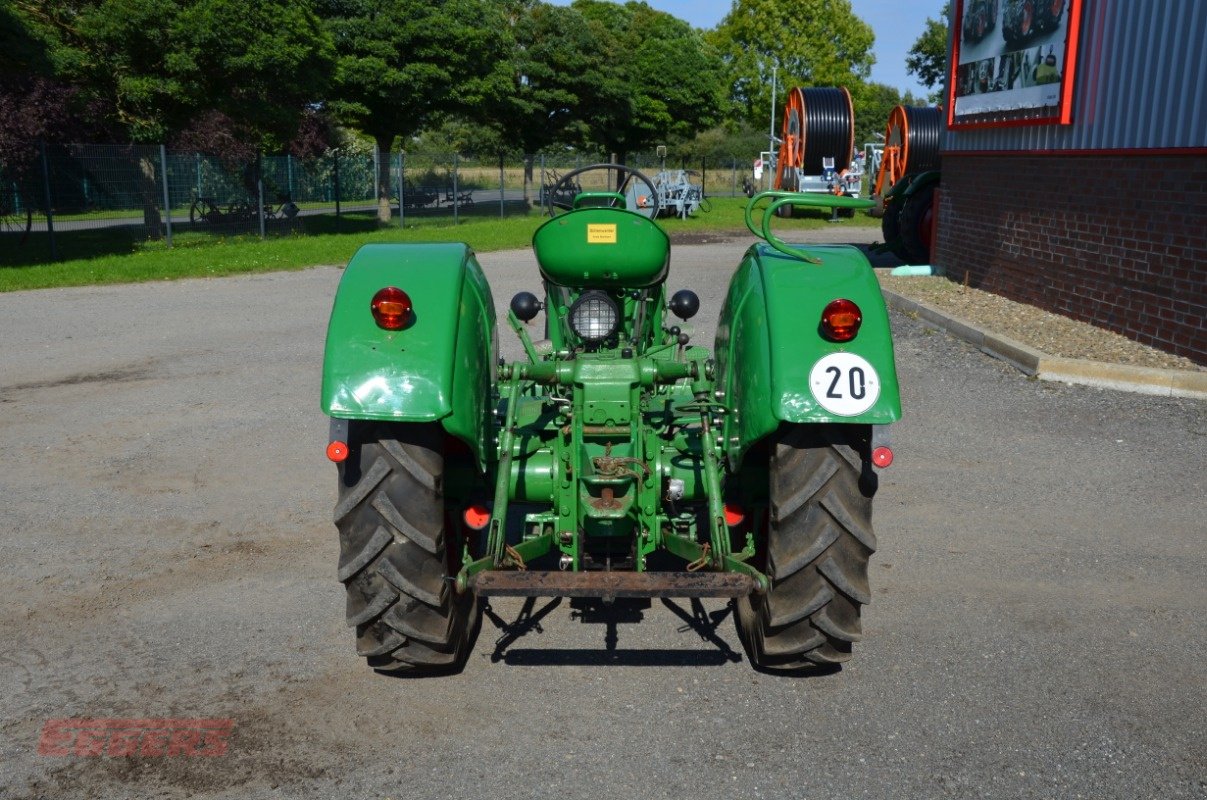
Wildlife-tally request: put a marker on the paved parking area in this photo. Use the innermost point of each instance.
(1037, 628)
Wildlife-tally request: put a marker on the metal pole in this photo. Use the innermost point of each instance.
(771, 138)
(456, 164)
(376, 175)
(734, 169)
(335, 156)
(54, 252)
(289, 174)
(167, 201)
(402, 188)
(542, 182)
(500, 186)
(260, 191)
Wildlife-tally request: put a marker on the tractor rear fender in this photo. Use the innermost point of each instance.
(770, 347)
(439, 367)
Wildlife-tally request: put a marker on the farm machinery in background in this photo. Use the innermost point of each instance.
(817, 147)
(673, 192)
(678, 195)
(619, 460)
(906, 180)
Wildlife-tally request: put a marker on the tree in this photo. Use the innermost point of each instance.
(810, 42)
(148, 66)
(550, 75)
(927, 59)
(33, 105)
(403, 64)
(115, 53)
(658, 78)
(261, 64)
(873, 102)
(144, 69)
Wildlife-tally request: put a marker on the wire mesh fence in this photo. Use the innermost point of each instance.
(71, 201)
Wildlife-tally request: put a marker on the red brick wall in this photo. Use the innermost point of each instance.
(1119, 241)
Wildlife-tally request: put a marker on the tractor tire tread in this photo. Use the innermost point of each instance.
(816, 552)
(393, 559)
(912, 213)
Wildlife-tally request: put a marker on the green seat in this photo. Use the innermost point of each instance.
(602, 247)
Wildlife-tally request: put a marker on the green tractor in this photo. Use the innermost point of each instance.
(618, 459)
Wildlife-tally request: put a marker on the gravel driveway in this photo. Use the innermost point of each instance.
(1037, 628)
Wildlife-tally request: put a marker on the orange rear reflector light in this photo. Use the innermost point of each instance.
(882, 457)
(337, 451)
(477, 517)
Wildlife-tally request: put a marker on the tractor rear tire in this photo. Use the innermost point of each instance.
(816, 551)
(915, 224)
(396, 554)
(890, 227)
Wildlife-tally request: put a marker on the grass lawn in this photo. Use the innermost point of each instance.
(116, 255)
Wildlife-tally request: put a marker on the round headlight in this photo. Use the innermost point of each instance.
(594, 317)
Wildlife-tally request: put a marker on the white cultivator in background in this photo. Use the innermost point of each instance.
(677, 195)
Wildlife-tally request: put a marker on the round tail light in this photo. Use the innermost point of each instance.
(882, 457)
(477, 516)
(840, 320)
(391, 308)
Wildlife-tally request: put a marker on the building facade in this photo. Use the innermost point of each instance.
(1103, 219)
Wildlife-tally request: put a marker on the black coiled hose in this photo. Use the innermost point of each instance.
(829, 128)
(925, 131)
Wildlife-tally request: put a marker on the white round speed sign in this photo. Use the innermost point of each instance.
(844, 384)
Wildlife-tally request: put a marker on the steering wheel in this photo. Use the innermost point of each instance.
(617, 187)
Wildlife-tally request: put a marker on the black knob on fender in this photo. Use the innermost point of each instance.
(525, 305)
(684, 304)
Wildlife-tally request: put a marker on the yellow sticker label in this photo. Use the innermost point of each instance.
(601, 234)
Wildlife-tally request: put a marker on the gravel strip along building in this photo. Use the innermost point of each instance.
(1075, 162)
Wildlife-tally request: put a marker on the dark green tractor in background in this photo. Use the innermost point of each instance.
(619, 459)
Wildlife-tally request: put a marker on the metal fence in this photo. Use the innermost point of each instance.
(69, 201)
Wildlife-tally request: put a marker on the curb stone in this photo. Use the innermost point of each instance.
(1081, 371)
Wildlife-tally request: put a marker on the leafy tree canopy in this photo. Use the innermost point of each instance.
(261, 63)
(548, 79)
(403, 64)
(144, 68)
(810, 42)
(658, 78)
(873, 103)
(927, 59)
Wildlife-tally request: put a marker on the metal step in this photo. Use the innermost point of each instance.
(537, 583)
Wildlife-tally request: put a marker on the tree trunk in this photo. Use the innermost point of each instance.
(620, 157)
(385, 210)
(149, 191)
(528, 165)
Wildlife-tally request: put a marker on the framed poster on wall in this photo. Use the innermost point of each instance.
(1013, 62)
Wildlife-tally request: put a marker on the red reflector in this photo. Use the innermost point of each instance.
(337, 451)
(882, 457)
(391, 308)
(477, 517)
(734, 514)
(840, 320)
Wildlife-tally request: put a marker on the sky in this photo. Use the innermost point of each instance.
(896, 23)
